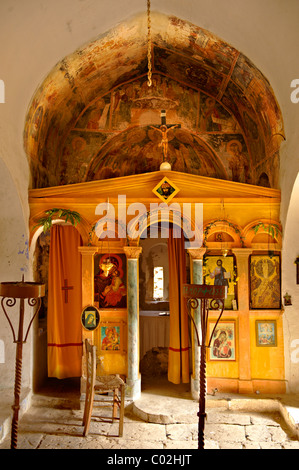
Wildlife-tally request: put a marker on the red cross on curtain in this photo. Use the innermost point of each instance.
(66, 288)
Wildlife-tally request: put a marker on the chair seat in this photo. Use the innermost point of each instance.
(108, 382)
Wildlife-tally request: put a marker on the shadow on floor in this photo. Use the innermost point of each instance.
(160, 385)
(70, 388)
(60, 388)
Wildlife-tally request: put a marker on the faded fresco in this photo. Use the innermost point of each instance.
(93, 116)
(209, 141)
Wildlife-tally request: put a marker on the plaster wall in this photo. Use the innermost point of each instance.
(13, 265)
(291, 323)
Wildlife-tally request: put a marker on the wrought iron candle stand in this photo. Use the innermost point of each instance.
(212, 298)
(10, 291)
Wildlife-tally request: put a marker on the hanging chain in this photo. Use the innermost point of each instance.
(149, 45)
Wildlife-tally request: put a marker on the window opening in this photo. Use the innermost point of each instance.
(158, 283)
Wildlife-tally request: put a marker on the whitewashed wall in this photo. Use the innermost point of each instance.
(13, 265)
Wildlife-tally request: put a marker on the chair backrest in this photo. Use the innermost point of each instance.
(91, 363)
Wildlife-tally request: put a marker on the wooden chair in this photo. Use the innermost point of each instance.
(104, 391)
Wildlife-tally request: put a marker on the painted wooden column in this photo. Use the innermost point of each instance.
(245, 380)
(87, 254)
(133, 389)
(196, 257)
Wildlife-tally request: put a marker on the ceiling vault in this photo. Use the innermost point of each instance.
(91, 118)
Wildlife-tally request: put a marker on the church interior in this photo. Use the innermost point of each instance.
(111, 109)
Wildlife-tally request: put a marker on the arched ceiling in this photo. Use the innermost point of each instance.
(95, 117)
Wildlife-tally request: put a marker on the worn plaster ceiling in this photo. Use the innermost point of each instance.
(94, 116)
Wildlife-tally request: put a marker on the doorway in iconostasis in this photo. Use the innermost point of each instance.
(154, 307)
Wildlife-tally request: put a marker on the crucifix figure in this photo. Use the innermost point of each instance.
(164, 128)
(66, 288)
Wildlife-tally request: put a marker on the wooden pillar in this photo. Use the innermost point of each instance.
(87, 253)
(133, 389)
(242, 257)
(196, 258)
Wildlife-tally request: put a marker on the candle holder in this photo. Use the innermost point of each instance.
(211, 298)
(10, 291)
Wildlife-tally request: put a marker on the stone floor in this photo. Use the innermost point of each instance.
(164, 418)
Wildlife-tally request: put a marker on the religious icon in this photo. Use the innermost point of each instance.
(110, 338)
(165, 190)
(266, 333)
(109, 283)
(220, 271)
(223, 345)
(90, 318)
(265, 288)
(287, 299)
(220, 275)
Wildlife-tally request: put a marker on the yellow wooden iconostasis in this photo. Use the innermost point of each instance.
(236, 221)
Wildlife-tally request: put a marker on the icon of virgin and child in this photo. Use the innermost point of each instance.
(110, 290)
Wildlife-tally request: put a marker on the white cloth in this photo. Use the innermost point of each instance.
(154, 331)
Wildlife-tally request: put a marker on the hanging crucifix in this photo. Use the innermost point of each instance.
(164, 128)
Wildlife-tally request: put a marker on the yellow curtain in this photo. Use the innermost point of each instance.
(178, 357)
(64, 303)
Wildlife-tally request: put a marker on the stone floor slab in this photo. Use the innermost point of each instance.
(182, 432)
(227, 432)
(257, 433)
(226, 417)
